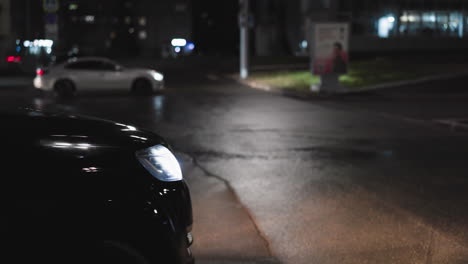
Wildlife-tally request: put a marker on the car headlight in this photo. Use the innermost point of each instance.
(158, 76)
(161, 163)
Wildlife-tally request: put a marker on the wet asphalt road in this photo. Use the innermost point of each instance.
(372, 178)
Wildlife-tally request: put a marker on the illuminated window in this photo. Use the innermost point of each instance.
(431, 23)
(89, 19)
(142, 34)
(455, 24)
(410, 22)
(442, 22)
(385, 26)
(142, 21)
(428, 18)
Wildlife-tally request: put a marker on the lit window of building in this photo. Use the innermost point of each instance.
(386, 25)
(434, 23)
(142, 35)
(72, 6)
(142, 21)
(89, 19)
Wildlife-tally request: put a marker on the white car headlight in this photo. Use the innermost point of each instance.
(158, 76)
(161, 163)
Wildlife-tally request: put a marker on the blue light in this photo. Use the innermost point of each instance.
(190, 46)
(177, 49)
(18, 48)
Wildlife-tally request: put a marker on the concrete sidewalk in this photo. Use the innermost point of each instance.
(347, 91)
(421, 80)
(223, 229)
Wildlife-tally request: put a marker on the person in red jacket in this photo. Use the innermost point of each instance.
(339, 60)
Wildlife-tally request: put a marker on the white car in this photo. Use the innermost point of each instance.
(94, 73)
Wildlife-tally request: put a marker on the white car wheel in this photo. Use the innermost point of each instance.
(64, 88)
(142, 86)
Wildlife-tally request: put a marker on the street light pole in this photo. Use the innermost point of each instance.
(244, 38)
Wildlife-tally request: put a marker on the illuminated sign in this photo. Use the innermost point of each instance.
(330, 48)
(178, 42)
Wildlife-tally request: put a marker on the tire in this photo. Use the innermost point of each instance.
(64, 89)
(142, 86)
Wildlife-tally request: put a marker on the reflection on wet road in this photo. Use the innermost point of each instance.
(302, 182)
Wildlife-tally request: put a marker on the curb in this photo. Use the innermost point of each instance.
(421, 80)
(286, 92)
(308, 96)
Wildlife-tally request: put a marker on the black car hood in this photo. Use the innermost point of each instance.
(43, 152)
(31, 129)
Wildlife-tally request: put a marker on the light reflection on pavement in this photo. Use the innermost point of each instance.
(312, 182)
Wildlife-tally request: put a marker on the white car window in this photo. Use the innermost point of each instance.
(108, 66)
(84, 65)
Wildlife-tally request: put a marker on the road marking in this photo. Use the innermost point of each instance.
(453, 123)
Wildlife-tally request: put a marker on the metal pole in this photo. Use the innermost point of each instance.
(461, 19)
(244, 38)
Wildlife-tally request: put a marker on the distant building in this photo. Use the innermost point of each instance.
(31, 31)
(377, 25)
(124, 27)
(215, 26)
(4, 17)
(104, 27)
(5, 29)
(19, 19)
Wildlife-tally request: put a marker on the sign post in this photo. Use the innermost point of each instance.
(244, 38)
(329, 54)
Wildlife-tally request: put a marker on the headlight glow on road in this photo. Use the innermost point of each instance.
(161, 163)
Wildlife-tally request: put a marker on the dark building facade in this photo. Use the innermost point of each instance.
(215, 26)
(123, 27)
(19, 20)
(104, 27)
(32, 31)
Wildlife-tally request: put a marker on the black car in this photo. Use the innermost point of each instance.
(83, 190)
